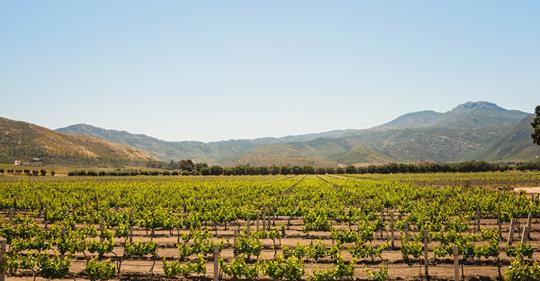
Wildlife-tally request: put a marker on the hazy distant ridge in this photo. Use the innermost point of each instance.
(473, 130)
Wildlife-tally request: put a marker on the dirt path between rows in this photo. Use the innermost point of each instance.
(529, 190)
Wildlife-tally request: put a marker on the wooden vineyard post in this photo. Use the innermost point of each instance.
(235, 233)
(216, 264)
(131, 225)
(525, 235)
(478, 218)
(456, 263)
(384, 219)
(257, 223)
(392, 230)
(499, 224)
(406, 230)
(40, 210)
(101, 229)
(511, 232)
(289, 223)
(11, 212)
(45, 222)
(529, 224)
(2, 251)
(426, 258)
(63, 238)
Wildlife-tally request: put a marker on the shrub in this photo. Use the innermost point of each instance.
(174, 269)
(238, 268)
(284, 269)
(520, 251)
(53, 268)
(380, 275)
(342, 271)
(521, 271)
(101, 271)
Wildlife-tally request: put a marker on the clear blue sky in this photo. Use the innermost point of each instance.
(213, 70)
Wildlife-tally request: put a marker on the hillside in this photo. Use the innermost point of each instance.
(212, 152)
(516, 145)
(220, 152)
(462, 133)
(318, 152)
(470, 115)
(472, 130)
(21, 140)
(411, 120)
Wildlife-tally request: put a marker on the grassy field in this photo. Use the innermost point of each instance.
(330, 227)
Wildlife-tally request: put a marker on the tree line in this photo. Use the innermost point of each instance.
(27, 172)
(192, 168)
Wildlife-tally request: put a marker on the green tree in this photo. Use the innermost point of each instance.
(264, 170)
(285, 170)
(216, 170)
(297, 170)
(536, 126)
(274, 170)
(200, 166)
(205, 171)
(309, 170)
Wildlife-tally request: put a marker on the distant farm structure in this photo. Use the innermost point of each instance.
(31, 162)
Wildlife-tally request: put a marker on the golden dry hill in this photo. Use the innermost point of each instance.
(21, 141)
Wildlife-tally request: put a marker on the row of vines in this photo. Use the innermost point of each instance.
(282, 228)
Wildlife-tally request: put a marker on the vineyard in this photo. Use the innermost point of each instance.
(316, 227)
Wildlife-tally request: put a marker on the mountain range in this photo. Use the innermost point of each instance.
(470, 131)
